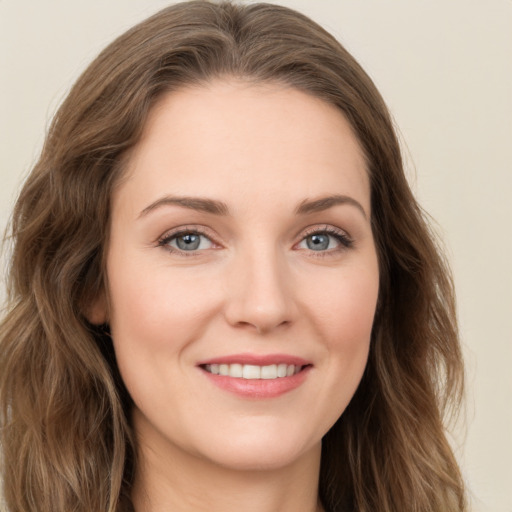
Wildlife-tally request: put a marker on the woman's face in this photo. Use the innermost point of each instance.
(243, 275)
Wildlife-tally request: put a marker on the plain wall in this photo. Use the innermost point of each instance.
(445, 70)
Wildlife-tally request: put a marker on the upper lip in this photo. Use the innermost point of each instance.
(257, 359)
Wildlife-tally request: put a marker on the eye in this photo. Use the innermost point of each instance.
(186, 241)
(325, 240)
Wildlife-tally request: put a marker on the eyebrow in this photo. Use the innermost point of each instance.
(193, 203)
(219, 208)
(324, 203)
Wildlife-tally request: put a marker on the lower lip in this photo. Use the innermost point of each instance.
(258, 388)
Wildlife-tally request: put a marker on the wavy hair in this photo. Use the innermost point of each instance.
(65, 433)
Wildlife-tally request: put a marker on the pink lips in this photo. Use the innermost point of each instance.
(258, 388)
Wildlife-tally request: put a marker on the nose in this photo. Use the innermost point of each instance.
(260, 293)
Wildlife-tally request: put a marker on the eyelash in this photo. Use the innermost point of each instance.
(344, 240)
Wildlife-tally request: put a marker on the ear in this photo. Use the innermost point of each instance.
(97, 312)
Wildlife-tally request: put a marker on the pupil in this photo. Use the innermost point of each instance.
(318, 242)
(188, 242)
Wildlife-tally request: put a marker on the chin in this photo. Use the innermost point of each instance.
(263, 451)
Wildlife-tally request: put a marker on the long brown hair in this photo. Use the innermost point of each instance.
(66, 439)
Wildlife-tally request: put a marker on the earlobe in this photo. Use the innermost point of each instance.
(97, 312)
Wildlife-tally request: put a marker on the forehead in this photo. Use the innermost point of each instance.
(233, 138)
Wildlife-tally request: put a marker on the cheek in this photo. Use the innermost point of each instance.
(156, 313)
(349, 342)
(344, 311)
(345, 306)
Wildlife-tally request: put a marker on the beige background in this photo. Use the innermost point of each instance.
(445, 69)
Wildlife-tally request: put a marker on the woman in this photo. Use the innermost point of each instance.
(223, 294)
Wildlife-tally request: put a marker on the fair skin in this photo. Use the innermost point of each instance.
(241, 237)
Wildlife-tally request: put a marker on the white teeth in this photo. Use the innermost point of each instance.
(235, 370)
(251, 371)
(281, 370)
(269, 372)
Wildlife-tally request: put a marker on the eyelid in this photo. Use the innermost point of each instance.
(323, 228)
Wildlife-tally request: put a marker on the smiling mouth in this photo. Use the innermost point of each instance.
(254, 372)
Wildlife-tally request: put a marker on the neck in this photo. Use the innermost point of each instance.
(171, 479)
